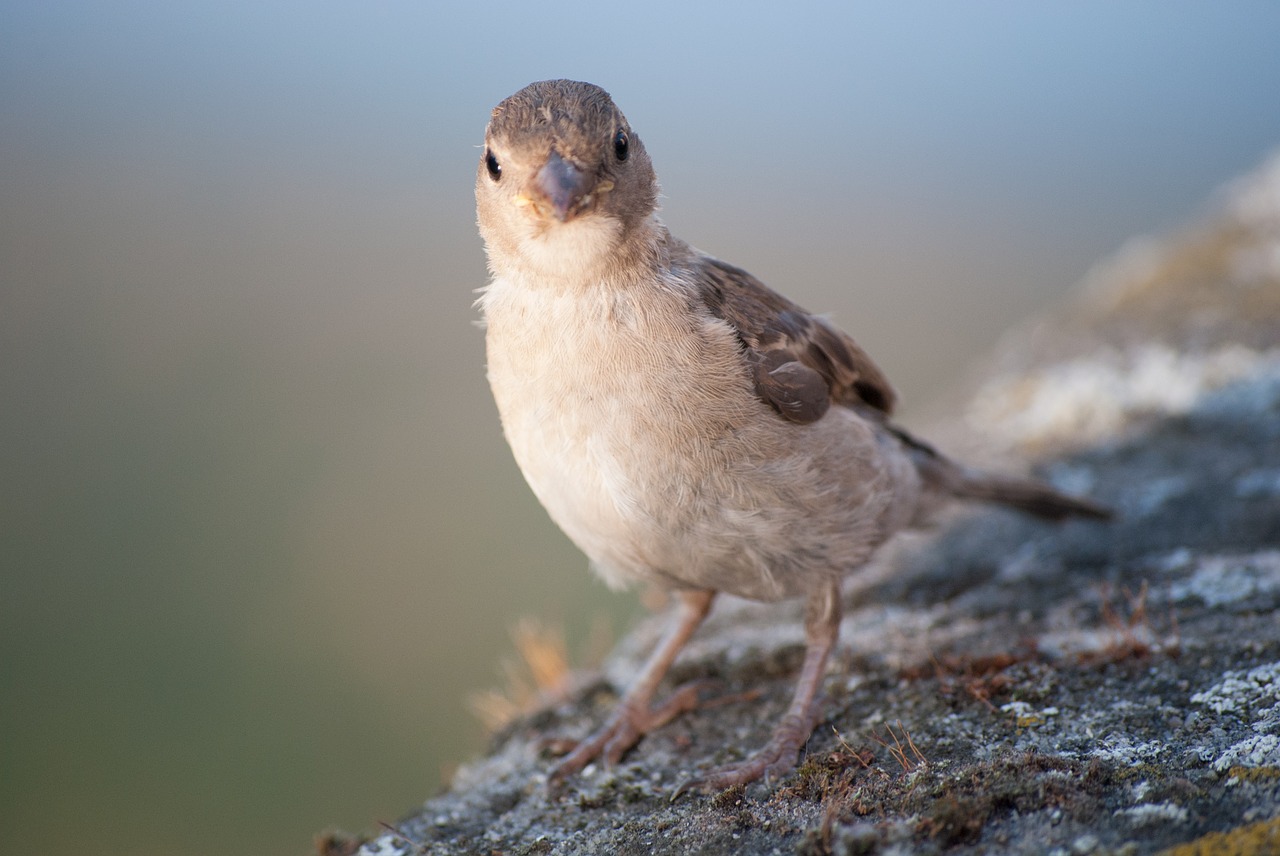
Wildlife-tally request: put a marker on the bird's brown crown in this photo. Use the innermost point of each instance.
(578, 117)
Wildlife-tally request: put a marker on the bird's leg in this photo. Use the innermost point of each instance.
(778, 756)
(634, 716)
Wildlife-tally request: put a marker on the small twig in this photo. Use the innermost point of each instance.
(866, 764)
(900, 750)
(418, 846)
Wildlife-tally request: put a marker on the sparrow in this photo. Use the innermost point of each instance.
(685, 425)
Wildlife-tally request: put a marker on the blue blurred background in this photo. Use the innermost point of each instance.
(261, 535)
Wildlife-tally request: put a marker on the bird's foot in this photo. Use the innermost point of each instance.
(773, 761)
(629, 722)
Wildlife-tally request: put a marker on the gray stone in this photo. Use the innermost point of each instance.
(1080, 688)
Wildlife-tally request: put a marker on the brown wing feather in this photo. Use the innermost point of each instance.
(801, 363)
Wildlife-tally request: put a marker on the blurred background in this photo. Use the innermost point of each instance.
(260, 535)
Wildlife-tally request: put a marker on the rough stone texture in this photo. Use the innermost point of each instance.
(1002, 685)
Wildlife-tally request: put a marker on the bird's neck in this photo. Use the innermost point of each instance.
(586, 255)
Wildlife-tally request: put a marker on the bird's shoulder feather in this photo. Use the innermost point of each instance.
(800, 363)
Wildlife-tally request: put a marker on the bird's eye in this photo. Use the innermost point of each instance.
(620, 145)
(491, 164)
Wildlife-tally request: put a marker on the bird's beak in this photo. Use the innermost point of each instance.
(562, 185)
(561, 189)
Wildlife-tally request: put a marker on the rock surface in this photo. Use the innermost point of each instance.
(1002, 685)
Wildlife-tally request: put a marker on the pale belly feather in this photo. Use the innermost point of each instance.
(658, 477)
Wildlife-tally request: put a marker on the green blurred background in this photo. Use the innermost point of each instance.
(260, 535)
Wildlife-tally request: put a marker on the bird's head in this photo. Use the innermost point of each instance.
(563, 182)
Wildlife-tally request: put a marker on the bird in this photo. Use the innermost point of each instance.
(684, 424)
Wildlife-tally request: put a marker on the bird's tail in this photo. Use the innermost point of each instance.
(1027, 495)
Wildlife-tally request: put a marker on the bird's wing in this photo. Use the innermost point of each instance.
(800, 363)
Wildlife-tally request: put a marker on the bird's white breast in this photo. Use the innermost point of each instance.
(634, 420)
(612, 405)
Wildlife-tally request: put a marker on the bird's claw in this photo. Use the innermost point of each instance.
(624, 728)
(774, 760)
